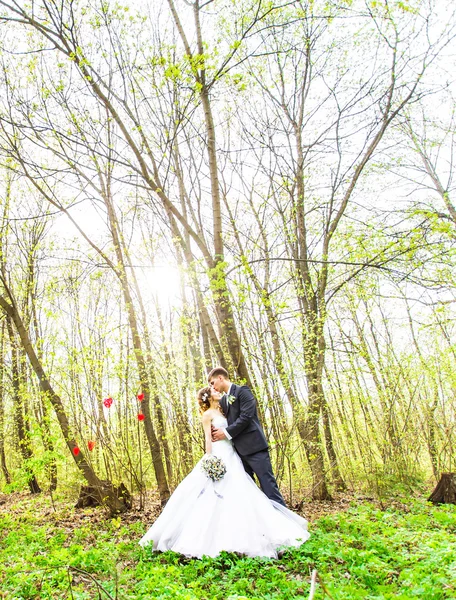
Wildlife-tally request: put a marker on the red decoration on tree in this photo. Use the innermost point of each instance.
(91, 445)
(76, 451)
(141, 397)
(141, 417)
(107, 402)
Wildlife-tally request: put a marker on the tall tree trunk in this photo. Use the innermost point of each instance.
(337, 479)
(48, 444)
(215, 263)
(314, 361)
(432, 442)
(182, 243)
(146, 373)
(21, 426)
(43, 416)
(430, 421)
(184, 442)
(4, 468)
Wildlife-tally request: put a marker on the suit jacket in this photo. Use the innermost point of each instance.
(243, 423)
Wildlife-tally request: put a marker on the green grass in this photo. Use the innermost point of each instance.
(401, 553)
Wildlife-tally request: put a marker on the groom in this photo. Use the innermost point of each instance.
(244, 429)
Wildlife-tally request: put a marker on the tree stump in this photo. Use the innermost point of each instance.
(116, 498)
(445, 490)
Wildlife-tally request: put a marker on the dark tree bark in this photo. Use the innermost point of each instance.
(89, 496)
(21, 424)
(4, 468)
(338, 480)
(445, 490)
(41, 409)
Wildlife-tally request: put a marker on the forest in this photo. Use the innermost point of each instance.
(265, 185)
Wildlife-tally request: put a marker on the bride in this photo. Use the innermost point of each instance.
(204, 517)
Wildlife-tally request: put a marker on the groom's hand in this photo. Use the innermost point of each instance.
(217, 434)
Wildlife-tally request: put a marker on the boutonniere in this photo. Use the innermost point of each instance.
(230, 398)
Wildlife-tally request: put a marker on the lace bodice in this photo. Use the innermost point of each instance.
(219, 421)
(223, 448)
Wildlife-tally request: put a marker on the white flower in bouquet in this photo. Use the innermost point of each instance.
(213, 467)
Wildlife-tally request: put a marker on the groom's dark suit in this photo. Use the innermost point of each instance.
(248, 438)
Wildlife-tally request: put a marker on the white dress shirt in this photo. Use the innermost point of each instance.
(227, 435)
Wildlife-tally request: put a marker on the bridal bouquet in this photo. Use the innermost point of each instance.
(213, 467)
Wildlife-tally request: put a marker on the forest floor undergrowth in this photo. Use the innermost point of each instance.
(401, 549)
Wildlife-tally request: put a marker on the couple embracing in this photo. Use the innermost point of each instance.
(210, 513)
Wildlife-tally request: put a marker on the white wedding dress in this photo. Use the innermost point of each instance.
(203, 517)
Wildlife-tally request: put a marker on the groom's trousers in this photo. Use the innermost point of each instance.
(260, 464)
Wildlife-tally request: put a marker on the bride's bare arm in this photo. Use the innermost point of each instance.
(207, 420)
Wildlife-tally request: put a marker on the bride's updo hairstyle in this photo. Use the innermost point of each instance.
(204, 398)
